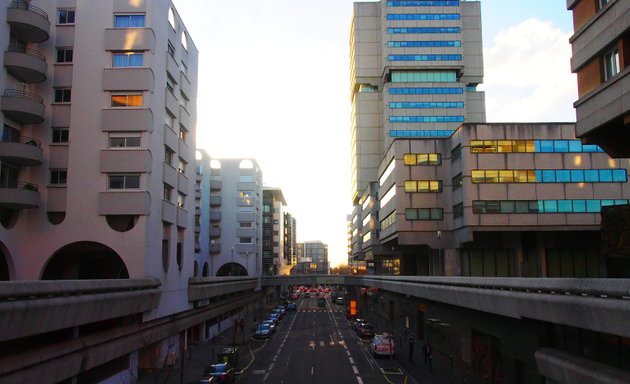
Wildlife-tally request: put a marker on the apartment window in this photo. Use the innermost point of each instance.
(168, 192)
(611, 63)
(183, 100)
(171, 18)
(424, 214)
(63, 95)
(129, 21)
(457, 181)
(126, 100)
(170, 85)
(170, 49)
(65, 55)
(60, 135)
(181, 167)
(601, 4)
(65, 16)
(58, 176)
(127, 59)
(388, 221)
(245, 224)
(184, 69)
(168, 155)
(456, 153)
(124, 142)
(458, 210)
(169, 120)
(185, 40)
(422, 159)
(245, 240)
(124, 181)
(182, 133)
(423, 186)
(181, 200)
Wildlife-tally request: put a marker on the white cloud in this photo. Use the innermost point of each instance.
(528, 76)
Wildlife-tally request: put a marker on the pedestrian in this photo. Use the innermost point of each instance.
(411, 348)
(427, 351)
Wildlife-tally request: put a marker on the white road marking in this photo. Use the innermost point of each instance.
(356, 371)
(359, 380)
(351, 360)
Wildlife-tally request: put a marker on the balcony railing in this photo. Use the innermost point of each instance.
(27, 51)
(24, 185)
(28, 7)
(28, 22)
(23, 95)
(23, 140)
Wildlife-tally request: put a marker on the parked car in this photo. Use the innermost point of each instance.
(271, 324)
(221, 372)
(340, 300)
(274, 316)
(262, 332)
(365, 330)
(321, 302)
(291, 307)
(356, 322)
(382, 345)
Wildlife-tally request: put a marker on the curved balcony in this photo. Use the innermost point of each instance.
(28, 23)
(26, 64)
(24, 152)
(19, 195)
(22, 106)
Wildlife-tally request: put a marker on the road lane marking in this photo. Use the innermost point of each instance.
(354, 368)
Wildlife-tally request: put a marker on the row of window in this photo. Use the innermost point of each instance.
(426, 105)
(64, 95)
(424, 3)
(424, 214)
(388, 221)
(421, 133)
(124, 59)
(422, 159)
(423, 16)
(426, 91)
(424, 76)
(424, 44)
(543, 206)
(424, 57)
(550, 176)
(114, 181)
(423, 30)
(423, 186)
(426, 119)
(532, 146)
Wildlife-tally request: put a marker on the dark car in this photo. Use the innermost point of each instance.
(221, 372)
(365, 330)
(262, 332)
(321, 302)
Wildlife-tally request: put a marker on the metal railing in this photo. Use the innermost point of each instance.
(22, 140)
(27, 51)
(23, 94)
(24, 185)
(28, 7)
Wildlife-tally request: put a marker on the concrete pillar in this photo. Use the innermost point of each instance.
(452, 262)
(541, 253)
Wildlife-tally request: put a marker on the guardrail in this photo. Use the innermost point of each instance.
(25, 185)
(23, 94)
(28, 7)
(27, 51)
(23, 140)
(36, 289)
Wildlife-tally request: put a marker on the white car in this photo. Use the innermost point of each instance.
(382, 345)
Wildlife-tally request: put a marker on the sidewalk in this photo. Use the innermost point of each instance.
(200, 355)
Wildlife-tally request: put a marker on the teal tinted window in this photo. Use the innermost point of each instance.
(423, 30)
(424, 57)
(426, 3)
(619, 175)
(421, 133)
(426, 105)
(424, 77)
(426, 119)
(563, 176)
(605, 176)
(561, 146)
(565, 206)
(577, 175)
(424, 44)
(550, 206)
(426, 91)
(548, 176)
(546, 146)
(579, 206)
(575, 146)
(423, 16)
(591, 176)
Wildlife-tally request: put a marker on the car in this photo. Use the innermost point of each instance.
(307, 295)
(271, 324)
(293, 296)
(321, 302)
(340, 300)
(291, 307)
(366, 330)
(262, 332)
(221, 372)
(274, 316)
(382, 345)
(355, 323)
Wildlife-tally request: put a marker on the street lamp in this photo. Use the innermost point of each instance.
(232, 263)
(211, 258)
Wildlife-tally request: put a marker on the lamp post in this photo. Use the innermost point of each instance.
(211, 257)
(232, 263)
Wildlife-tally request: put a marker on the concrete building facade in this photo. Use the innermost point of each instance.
(228, 221)
(274, 258)
(601, 58)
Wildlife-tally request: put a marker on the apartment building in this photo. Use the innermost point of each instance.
(98, 113)
(601, 42)
(228, 220)
(274, 258)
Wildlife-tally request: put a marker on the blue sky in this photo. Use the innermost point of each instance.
(274, 85)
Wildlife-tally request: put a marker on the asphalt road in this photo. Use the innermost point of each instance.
(317, 345)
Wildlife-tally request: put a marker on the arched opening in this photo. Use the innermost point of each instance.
(205, 270)
(5, 273)
(8, 217)
(232, 269)
(85, 260)
(196, 269)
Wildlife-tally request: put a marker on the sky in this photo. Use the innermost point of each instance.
(274, 86)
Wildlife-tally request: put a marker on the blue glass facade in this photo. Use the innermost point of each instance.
(424, 57)
(423, 16)
(426, 3)
(426, 119)
(543, 206)
(417, 133)
(424, 105)
(426, 91)
(424, 44)
(423, 30)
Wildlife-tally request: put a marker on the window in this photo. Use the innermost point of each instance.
(424, 214)
(423, 76)
(124, 142)
(129, 21)
(65, 55)
(423, 30)
(63, 95)
(184, 69)
(126, 100)
(456, 153)
(422, 159)
(601, 4)
(388, 221)
(169, 120)
(171, 18)
(423, 186)
(168, 155)
(168, 192)
(185, 40)
(458, 210)
(457, 181)
(182, 133)
(245, 240)
(58, 176)
(181, 200)
(424, 57)
(245, 225)
(421, 132)
(127, 59)
(181, 167)
(423, 16)
(611, 64)
(65, 16)
(170, 85)
(390, 194)
(60, 135)
(388, 171)
(170, 49)
(542, 206)
(124, 181)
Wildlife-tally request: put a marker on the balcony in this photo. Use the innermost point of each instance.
(215, 216)
(25, 152)
(22, 106)
(26, 64)
(215, 248)
(215, 201)
(28, 23)
(215, 233)
(19, 195)
(216, 185)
